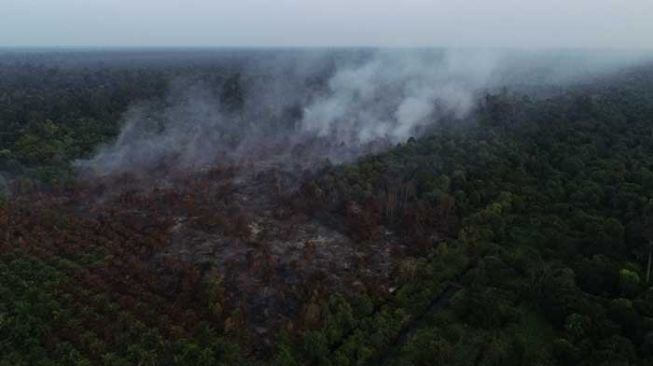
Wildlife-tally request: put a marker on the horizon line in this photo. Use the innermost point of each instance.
(322, 47)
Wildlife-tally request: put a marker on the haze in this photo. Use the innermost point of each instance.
(404, 23)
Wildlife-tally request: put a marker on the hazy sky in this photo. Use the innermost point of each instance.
(462, 23)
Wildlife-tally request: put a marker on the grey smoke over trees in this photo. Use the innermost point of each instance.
(303, 108)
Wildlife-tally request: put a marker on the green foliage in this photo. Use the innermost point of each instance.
(526, 234)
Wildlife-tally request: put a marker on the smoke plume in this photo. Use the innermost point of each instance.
(299, 109)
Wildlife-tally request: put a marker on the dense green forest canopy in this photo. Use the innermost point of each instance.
(521, 235)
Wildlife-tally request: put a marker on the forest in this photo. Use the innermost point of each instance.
(517, 233)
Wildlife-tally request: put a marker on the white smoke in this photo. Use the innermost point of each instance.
(324, 105)
(187, 130)
(394, 93)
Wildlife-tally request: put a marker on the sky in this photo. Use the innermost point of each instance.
(328, 23)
